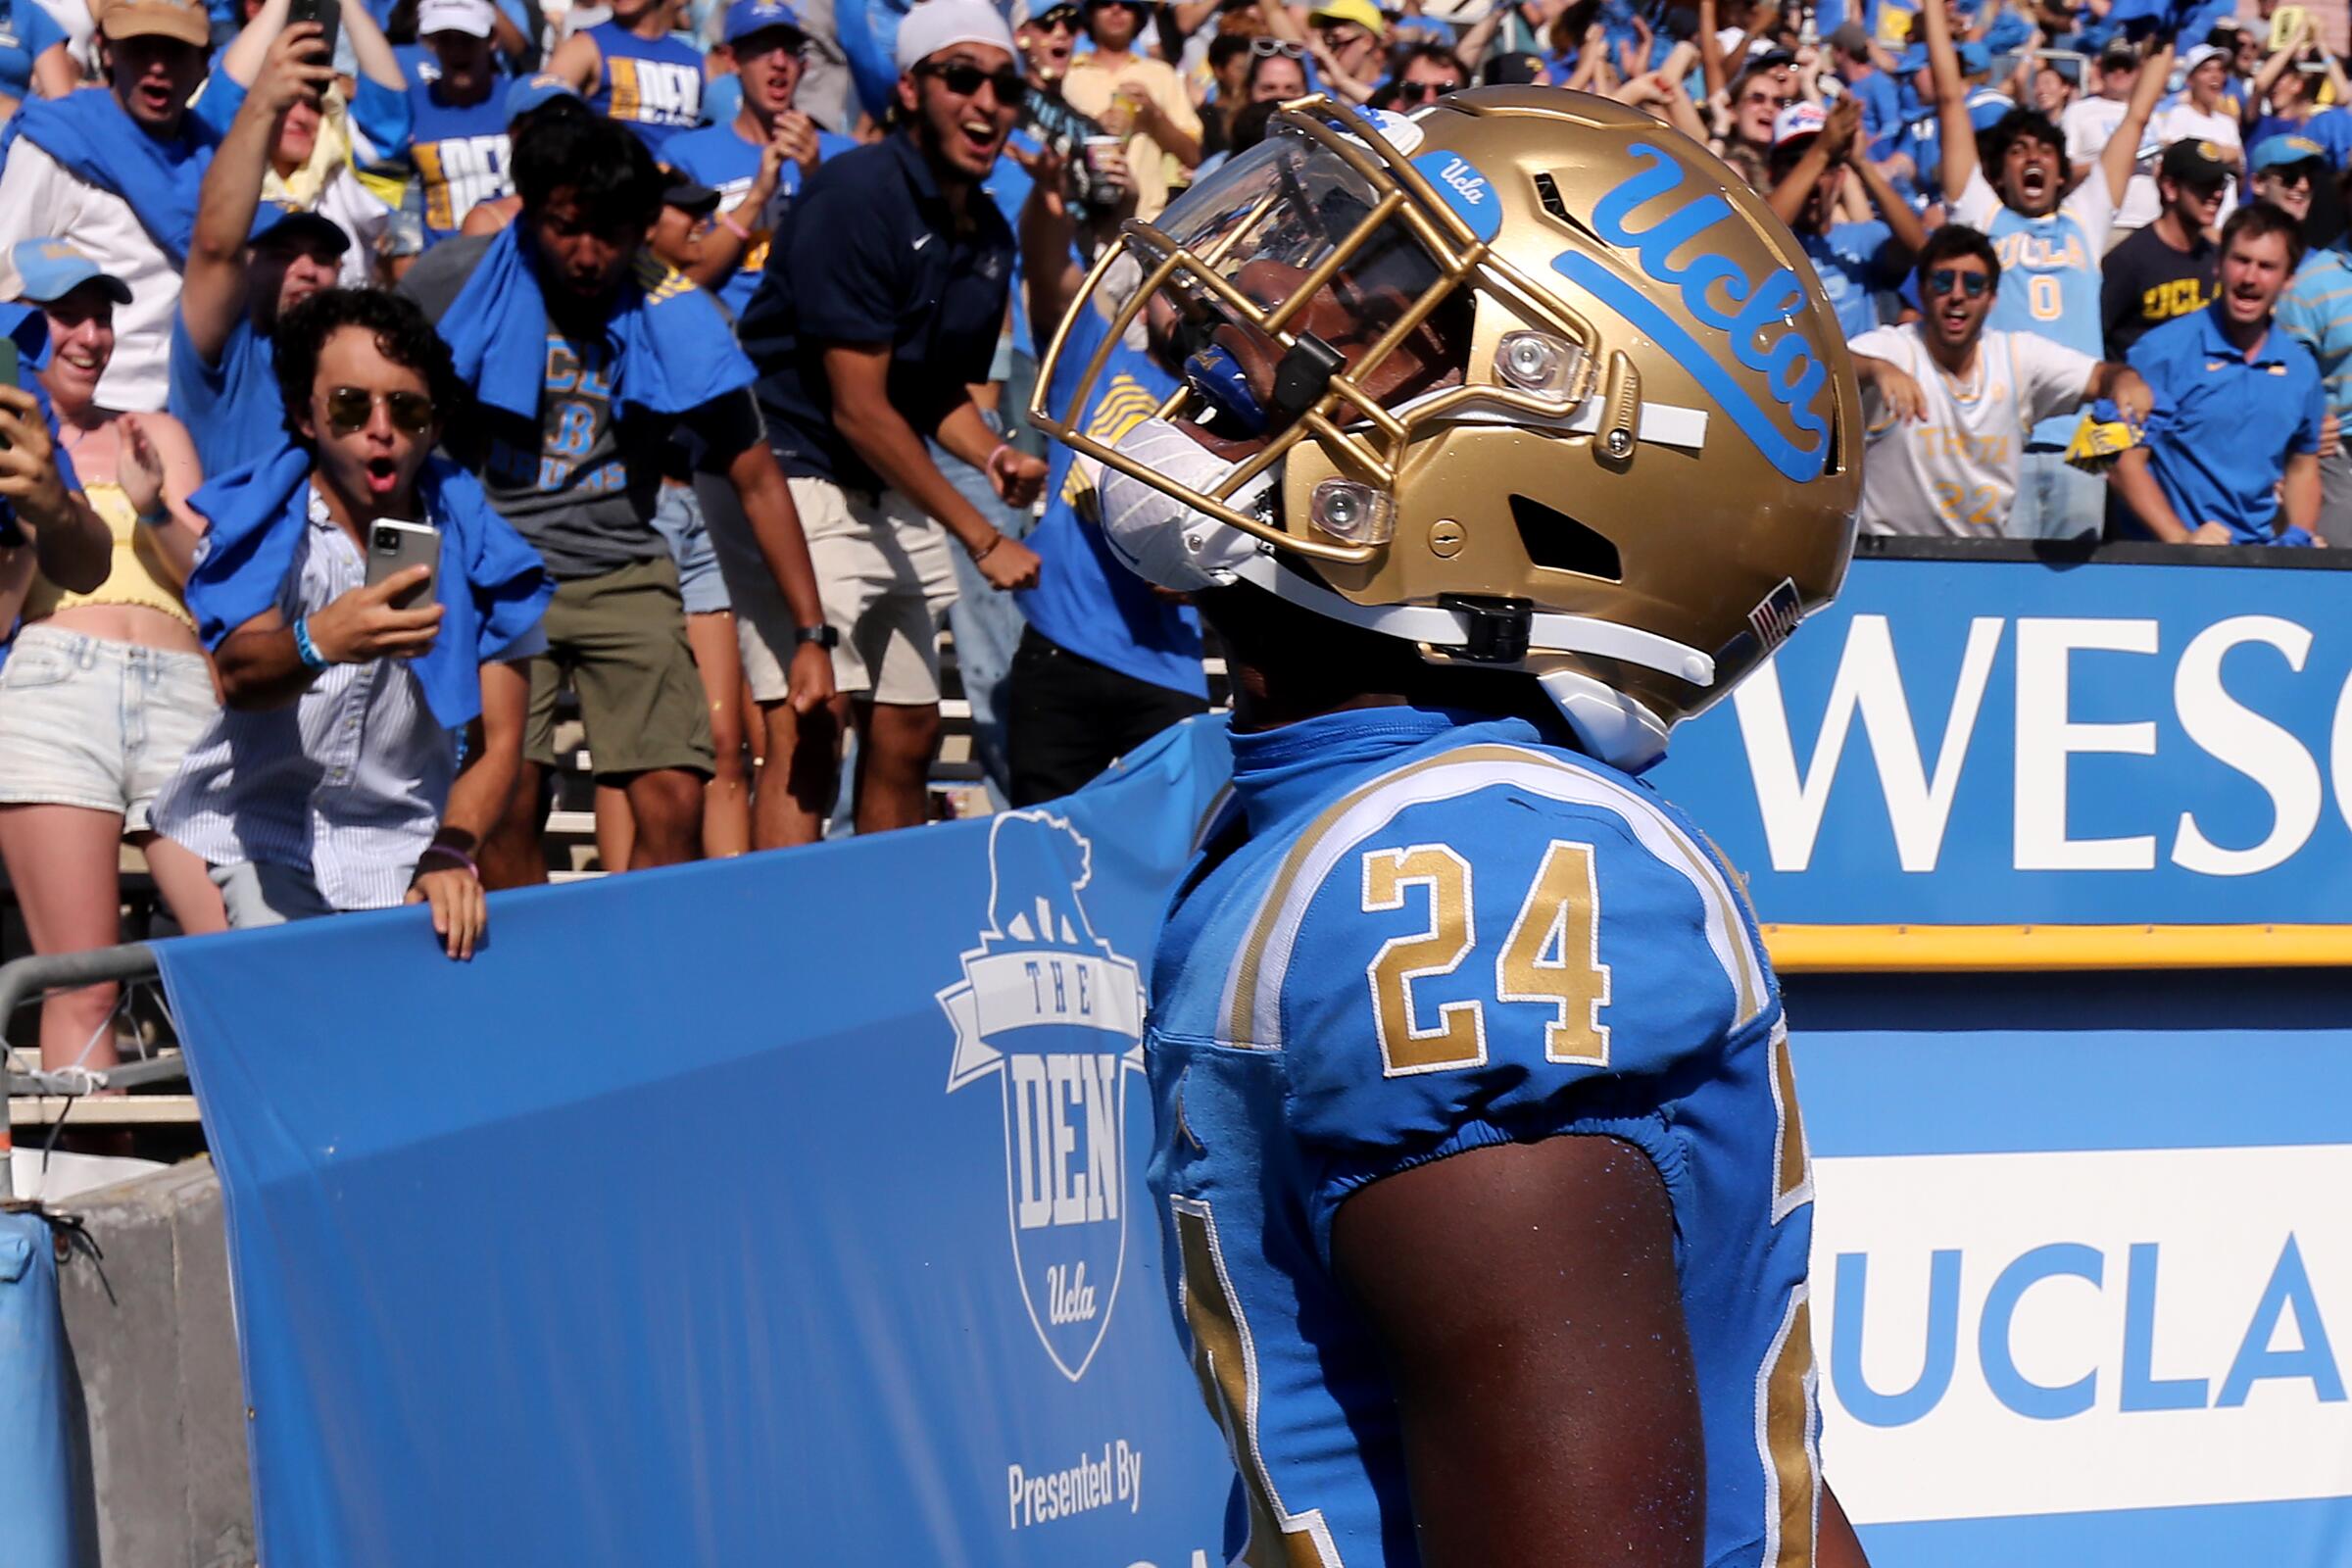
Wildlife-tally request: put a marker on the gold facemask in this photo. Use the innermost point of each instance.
(1549, 389)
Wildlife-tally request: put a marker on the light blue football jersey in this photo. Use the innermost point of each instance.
(1412, 934)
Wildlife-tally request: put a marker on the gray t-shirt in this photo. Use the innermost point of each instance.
(578, 483)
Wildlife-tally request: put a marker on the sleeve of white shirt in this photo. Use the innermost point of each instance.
(2051, 378)
(1885, 343)
(33, 191)
(1978, 204)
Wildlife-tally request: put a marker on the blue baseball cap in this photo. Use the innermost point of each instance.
(276, 220)
(529, 92)
(746, 16)
(2277, 152)
(49, 269)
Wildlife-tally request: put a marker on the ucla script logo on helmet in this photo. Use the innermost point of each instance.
(1057, 1018)
(1681, 241)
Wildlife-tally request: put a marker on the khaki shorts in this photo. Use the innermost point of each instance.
(621, 638)
(882, 574)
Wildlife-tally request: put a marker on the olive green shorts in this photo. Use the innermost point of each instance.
(620, 640)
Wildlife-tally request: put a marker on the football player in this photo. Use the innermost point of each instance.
(1508, 435)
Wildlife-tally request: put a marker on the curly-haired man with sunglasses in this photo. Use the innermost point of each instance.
(1950, 405)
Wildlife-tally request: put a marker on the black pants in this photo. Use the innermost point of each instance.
(1067, 719)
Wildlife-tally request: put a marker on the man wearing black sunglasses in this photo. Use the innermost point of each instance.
(1950, 405)
(884, 295)
(1429, 72)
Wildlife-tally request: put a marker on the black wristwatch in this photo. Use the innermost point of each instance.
(826, 636)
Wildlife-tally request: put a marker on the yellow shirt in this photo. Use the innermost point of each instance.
(137, 577)
(1088, 89)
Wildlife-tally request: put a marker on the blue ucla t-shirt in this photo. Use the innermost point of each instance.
(460, 155)
(721, 158)
(232, 410)
(2049, 270)
(652, 86)
(1085, 601)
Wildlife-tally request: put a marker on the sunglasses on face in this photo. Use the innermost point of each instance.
(1056, 21)
(963, 81)
(1268, 48)
(350, 407)
(1413, 91)
(1754, 99)
(1944, 279)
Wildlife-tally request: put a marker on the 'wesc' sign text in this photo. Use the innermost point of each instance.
(1994, 743)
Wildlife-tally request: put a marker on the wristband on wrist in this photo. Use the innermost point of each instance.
(312, 657)
(733, 227)
(990, 466)
(981, 553)
(449, 852)
(155, 518)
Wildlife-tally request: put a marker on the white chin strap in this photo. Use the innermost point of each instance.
(1610, 725)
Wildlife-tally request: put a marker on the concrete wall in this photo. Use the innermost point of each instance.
(154, 1351)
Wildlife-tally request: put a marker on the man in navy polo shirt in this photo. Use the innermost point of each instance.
(2246, 407)
(880, 308)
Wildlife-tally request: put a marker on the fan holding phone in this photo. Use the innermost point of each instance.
(367, 585)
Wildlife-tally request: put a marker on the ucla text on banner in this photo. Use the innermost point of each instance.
(1959, 742)
(783, 1210)
(2081, 1281)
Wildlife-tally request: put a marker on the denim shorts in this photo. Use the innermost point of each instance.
(93, 723)
(678, 519)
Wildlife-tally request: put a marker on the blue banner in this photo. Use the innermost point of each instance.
(1990, 742)
(789, 1209)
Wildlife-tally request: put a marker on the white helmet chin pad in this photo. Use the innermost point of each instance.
(1159, 537)
(1608, 724)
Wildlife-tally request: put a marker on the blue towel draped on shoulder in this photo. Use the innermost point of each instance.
(257, 513)
(672, 350)
(95, 140)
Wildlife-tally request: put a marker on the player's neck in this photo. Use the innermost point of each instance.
(2170, 229)
(1262, 703)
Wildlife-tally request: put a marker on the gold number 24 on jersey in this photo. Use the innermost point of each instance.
(1552, 955)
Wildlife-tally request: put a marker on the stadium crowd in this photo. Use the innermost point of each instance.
(709, 386)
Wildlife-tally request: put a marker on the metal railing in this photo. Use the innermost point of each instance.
(24, 980)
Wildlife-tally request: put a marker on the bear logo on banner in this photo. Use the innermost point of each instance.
(1048, 1011)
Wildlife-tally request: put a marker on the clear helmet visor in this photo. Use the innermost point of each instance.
(1294, 267)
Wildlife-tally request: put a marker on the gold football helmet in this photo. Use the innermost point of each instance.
(1527, 378)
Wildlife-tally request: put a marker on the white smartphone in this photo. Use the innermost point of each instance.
(394, 546)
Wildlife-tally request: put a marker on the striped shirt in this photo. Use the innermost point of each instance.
(348, 782)
(2317, 311)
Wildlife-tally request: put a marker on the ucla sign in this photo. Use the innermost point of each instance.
(1979, 742)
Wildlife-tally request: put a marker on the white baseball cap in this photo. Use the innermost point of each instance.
(476, 18)
(2203, 52)
(936, 24)
(1798, 121)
